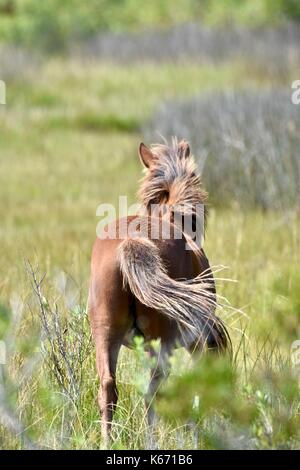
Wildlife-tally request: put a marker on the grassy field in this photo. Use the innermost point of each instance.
(69, 137)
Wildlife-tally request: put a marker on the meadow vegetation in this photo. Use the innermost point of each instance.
(69, 137)
(247, 143)
(53, 24)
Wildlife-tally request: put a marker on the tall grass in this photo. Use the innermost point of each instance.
(250, 403)
(16, 62)
(247, 142)
(273, 49)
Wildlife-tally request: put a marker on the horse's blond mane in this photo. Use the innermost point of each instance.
(174, 173)
(172, 179)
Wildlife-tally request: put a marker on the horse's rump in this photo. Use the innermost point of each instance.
(191, 305)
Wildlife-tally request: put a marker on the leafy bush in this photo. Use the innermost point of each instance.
(248, 144)
(259, 414)
(250, 12)
(52, 24)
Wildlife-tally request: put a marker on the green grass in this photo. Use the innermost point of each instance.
(69, 137)
(73, 95)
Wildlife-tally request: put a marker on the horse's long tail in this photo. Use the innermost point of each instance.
(190, 303)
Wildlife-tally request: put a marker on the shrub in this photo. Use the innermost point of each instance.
(247, 144)
(51, 25)
(278, 47)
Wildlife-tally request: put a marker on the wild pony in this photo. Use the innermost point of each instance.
(155, 283)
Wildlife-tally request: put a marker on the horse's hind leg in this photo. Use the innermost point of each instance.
(159, 372)
(108, 336)
(107, 350)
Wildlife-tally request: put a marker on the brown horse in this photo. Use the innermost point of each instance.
(156, 286)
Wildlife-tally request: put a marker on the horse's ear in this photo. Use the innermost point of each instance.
(184, 149)
(146, 155)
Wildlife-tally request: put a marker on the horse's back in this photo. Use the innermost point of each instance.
(112, 304)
